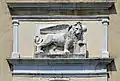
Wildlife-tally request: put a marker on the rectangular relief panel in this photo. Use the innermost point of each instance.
(53, 36)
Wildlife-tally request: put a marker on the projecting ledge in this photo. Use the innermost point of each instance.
(58, 61)
(59, 66)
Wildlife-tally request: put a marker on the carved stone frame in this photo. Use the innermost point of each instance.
(104, 20)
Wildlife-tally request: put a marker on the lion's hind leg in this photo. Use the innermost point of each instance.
(46, 40)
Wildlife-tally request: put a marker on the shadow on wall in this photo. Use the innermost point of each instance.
(112, 9)
(87, 54)
(112, 67)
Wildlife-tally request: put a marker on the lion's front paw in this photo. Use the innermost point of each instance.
(66, 51)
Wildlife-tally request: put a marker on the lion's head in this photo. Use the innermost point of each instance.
(76, 31)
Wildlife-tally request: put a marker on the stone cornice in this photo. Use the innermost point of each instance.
(55, 61)
(56, 1)
(53, 8)
(59, 66)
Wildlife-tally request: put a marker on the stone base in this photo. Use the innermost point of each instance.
(105, 54)
(40, 55)
(15, 55)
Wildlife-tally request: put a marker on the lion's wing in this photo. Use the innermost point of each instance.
(54, 29)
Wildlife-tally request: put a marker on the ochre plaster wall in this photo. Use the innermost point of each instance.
(5, 41)
(114, 43)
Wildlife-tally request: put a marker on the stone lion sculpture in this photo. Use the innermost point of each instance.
(74, 34)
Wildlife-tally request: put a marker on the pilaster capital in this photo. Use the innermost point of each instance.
(106, 20)
(15, 22)
(15, 55)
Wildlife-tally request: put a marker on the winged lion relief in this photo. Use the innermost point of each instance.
(63, 39)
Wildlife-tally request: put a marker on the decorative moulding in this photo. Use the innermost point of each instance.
(61, 8)
(59, 66)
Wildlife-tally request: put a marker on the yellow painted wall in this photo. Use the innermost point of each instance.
(114, 43)
(5, 41)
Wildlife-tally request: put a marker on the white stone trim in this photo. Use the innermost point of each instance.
(15, 53)
(105, 53)
(102, 71)
(57, 18)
